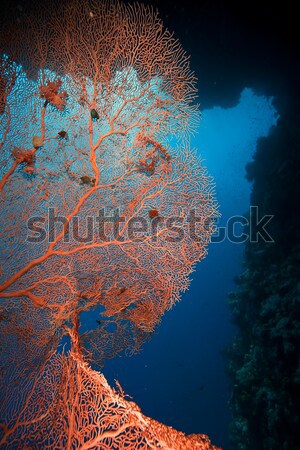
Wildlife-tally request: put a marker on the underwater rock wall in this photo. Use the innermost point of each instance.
(263, 359)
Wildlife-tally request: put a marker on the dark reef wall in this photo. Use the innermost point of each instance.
(263, 360)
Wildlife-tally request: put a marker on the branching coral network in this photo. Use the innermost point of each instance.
(97, 188)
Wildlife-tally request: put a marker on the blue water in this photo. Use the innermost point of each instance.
(179, 377)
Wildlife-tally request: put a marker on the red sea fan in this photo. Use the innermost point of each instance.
(105, 294)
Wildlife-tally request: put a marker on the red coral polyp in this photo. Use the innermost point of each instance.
(23, 156)
(50, 93)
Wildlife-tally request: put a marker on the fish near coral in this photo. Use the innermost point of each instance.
(62, 134)
(87, 180)
(94, 114)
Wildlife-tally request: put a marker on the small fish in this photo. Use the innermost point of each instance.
(87, 180)
(63, 134)
(99, 322)
(94, 114)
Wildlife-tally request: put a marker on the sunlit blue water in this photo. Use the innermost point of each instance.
(179, 376)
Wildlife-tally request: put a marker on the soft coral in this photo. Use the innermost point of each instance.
(50, 93)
